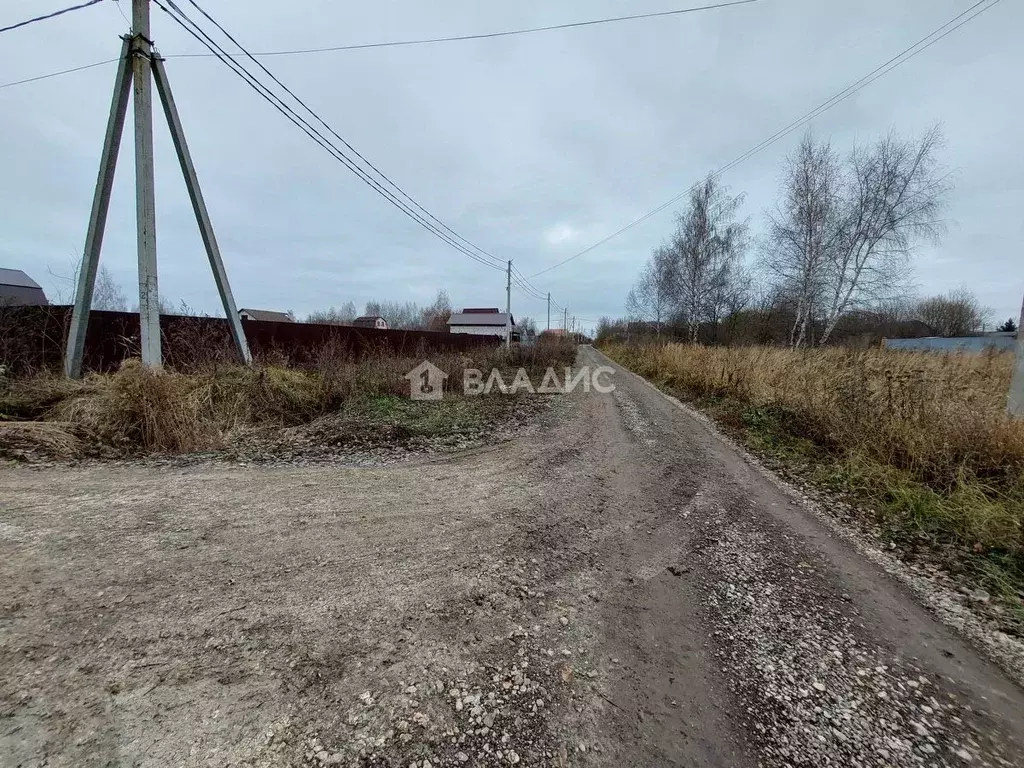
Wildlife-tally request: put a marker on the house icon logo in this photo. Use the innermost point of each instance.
(426, 381)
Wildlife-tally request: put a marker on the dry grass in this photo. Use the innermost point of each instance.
(925, 435)
(136, 409)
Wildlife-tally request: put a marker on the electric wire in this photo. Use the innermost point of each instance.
(486, 35)
(839, 97)
(526, 286)
(50, 15)
(311, 131)
(392, 43)
(56, 74)
(480, 251)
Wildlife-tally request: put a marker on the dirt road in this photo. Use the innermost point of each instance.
(615, 587)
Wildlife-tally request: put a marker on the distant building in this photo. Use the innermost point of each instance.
(19, 290)
(371, 321)
(265, 315)
(481, 322)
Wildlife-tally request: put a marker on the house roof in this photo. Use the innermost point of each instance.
(267, 315)
(18, 278)
(368, 317)
(479, 317)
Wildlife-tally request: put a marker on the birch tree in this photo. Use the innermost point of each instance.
(893, 199)
(651, 297)
(804, 229)
(706, 250)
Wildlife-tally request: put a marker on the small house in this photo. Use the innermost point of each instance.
(266, 315)
(19, 290)
(371, 321)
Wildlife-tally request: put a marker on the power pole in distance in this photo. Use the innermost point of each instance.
(508, 305)
(1015, 402)
(137, 64)
(549, 310)
(565, 321)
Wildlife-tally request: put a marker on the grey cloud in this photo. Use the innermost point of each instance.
(506, 140)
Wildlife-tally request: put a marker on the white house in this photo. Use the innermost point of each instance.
(481, 322)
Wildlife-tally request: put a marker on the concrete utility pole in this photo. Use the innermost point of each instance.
(145, 199)
(549, 311)
(1015, 402)
(565, 320)
(137, 52)
(508, 304)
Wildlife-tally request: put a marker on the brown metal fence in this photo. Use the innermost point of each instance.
(32, 338)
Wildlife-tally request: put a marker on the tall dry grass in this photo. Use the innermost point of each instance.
(137, 409)
(925, 432)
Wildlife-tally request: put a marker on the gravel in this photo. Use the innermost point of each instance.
(814, 689)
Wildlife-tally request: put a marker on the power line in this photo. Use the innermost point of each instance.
(526, 285)
(850, 90)
(424, 41)
(487, 35)
(480, 251)
(304, 125)
(50, 15)
(55, 74)
(117, 4)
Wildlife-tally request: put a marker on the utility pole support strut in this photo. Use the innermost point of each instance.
(188, 170)
(75, 348)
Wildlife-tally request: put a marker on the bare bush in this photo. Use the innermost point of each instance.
(958, 313)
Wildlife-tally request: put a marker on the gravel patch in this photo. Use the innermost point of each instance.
(814, 689)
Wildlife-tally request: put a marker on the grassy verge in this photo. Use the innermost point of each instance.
(920, 442)
(136, 410)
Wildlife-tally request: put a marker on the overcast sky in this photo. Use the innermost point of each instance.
(532, 146)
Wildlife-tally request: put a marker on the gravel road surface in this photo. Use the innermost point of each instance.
(616, 586)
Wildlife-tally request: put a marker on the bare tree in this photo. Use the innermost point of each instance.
(804, 229)
(107, 294)
(958, 313)
(527, 328)
(893, 198)
(398, 314)
(706, 250)
(343, 315)
(651, 298)
(435, 317)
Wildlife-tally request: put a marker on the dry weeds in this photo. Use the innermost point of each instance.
(924, 434)
(136, 409)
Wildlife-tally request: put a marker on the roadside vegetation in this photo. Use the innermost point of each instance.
(922, 439)
(210, 406)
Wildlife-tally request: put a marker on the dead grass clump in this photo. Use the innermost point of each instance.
(20, 439)
(240, 396)
(154, 410)
(33, 397)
